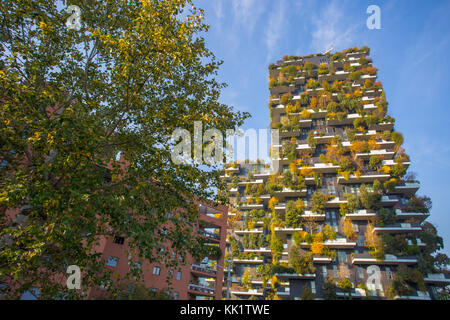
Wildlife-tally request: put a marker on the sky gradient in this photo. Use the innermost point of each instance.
(410, 51)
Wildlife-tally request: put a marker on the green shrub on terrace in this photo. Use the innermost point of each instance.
(289, 70)
(397, 137)
(351, 206)
(385, 216)
(310, 139)
(286, 98)
(375, 162)
(354, 76)
(329, 232)
(307, 293)
(312, 84)
(323, 69)
(318, 200)
(398, 170)
(369, 200)
(301, 263)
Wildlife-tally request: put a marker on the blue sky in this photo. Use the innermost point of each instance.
(410, 51)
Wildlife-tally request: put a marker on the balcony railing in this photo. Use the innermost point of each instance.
(198, 268)
(208, 234)
(202, 289)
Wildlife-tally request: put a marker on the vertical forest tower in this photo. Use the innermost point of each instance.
(340, 216)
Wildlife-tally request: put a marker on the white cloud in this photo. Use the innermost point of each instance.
(275, 27)
(218, 9)
(247, 12)
(331, 29)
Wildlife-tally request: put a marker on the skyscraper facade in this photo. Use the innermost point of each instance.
(340, 217)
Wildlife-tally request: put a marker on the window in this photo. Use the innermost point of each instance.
(136, 265)
(388, 273)
(335, 271)
(324, 271)
(175, 295)
(112, 261)
(153, 290)
(119, 240)
(32, 294)
(360, 241)
(360, 272)
(3, 287)
(342, 256)
(171, 272)
(313, 287)
(156, 271)
(179, 275)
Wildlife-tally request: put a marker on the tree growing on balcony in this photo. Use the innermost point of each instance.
(302, 263)
(307, 293)
(318, 200)
(329, 288)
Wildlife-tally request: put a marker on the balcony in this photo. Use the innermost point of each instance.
(286, 230)
(384, 153)
(259, 282)
(365, 136)
(248, 292)
(408, 188)
(203, 271)
(386, 144)
(389, 200)
(313, 216)
(368, 76)
(306, 276)
(290, 193)
(397, 228)
(249, 206)
(254, 260)
(334, 203)
(322, 259)
(324, 139)
(437, 278)
(356, 293)
(364, 178)
(283, 292)
(411, 215)
(346, 121)
(389, 259)
(208, 235)
(324, 168)
(393, 163)
(361, 215)
(200, 290)
(256, 181)
(339, 243)
(370, 107)
(382, 126)
(299, 147)
(264, 251)
(420, 296)
(319, 114)
(242, 232)
(338, 75)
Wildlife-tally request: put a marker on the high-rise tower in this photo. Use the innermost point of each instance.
(341, 216)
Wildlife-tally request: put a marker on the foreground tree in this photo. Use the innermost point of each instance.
(70, 102)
